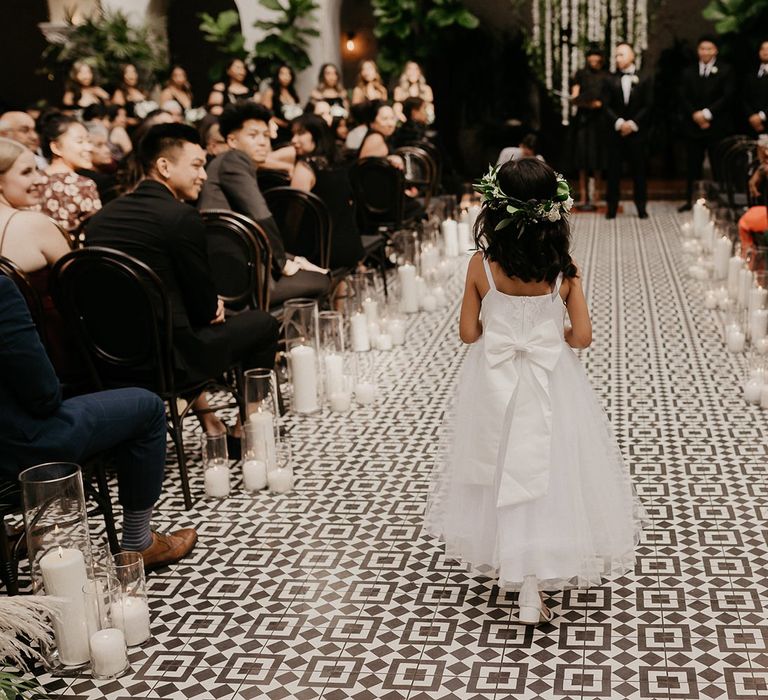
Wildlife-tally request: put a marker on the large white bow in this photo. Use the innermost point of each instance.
(524, 450)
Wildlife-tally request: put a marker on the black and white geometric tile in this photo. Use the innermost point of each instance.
(335, 592)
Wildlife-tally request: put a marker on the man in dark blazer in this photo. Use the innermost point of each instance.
(37, 426)
(232, 185)
(627, 105)
(154, 225)
(706, 99)
(756, 94)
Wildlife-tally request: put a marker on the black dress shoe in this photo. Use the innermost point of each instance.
(610, 215)
(234, 446)
(642, 214)
(685, 207)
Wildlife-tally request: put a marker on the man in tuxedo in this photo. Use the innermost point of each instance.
(756, 94)
(232, 184)
(627, 104)
(154, 225)
(706, 98)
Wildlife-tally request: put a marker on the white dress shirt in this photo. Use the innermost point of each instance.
(627, 79)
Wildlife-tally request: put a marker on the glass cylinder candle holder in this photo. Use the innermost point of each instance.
(280, 478)
(735, 329)
(59, 553)
(300, 325)
(216, 465)
(261, 430)
(130, 610)
(108, 651)
(365, 380)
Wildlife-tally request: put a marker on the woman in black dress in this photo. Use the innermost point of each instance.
(588, 131)
(282, 100)
(317, 171)
(232, 89)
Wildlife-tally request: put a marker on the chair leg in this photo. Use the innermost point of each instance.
(105, 504)
(383, 270)
(178, 443)
(9, 564)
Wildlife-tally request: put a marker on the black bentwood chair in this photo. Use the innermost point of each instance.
(269, 179)
(120, 312)
(34, 303)
(240, 258)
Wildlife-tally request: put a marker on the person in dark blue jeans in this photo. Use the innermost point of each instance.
(37, 426)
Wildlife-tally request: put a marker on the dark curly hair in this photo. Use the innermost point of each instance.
(531, 252)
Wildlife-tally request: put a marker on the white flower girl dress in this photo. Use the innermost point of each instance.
(530, 480)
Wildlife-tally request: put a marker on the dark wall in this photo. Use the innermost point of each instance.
(21, 44)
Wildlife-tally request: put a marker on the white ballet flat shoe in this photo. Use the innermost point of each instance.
(532, 609)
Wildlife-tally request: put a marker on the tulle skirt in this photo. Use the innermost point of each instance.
(582, 531)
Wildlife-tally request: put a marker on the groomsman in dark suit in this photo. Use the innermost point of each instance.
(756, 94)
(627, 105)
(706, 97)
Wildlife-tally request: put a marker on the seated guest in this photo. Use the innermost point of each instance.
(154, 225)
(527, 148)
(377, 142)
(68, 198)
(316, 171)
(330, 88)
(39, 427)
(232, 185)
(20, 127)
(128, 92)
(754, 222)
(119, 140)
(369, 84)
(82, 88)
(213, 142)
(232, 89)
(416, 119)
(104, 163)
(359, 115)
(282, 100)
(412, 83)
(178, 88)
(34, 243)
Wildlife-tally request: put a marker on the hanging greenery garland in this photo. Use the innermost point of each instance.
(562, 30)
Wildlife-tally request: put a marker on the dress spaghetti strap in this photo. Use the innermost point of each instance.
(488, 274)
(5, 228)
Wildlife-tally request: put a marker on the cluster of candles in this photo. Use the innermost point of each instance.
(99, 617)
(738, 291)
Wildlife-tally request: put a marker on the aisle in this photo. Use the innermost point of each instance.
(334, 592)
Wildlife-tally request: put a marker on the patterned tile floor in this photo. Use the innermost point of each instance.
(334, 592)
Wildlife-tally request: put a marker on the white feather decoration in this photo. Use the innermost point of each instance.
(25, 620)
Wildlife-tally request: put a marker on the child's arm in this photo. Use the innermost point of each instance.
(579, 335)
(470, 328)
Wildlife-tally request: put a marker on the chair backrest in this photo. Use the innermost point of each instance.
(719, 153)
(35, 304)
(304, 223)
(378, 189)
(420, 170)
(734, 171)
(120, 313)
(240, 258)
(269, 179)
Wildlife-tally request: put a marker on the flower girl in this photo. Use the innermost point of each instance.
(531, 488)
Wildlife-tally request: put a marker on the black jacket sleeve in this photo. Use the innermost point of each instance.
(190, 260)
(25, 368)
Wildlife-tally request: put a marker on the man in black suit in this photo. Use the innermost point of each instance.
(154, 225)
(232, 184)
(706, 98)
(39, 427)
(627, 104)
(756, 94)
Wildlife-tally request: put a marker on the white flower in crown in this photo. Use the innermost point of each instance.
(635, 80)
(714, 70)
(568, 204)
(553, 214)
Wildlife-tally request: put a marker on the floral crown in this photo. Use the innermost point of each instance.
(532, 210)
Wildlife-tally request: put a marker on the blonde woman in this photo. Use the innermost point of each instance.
(412, 83)
(329, 88)
(369, 87)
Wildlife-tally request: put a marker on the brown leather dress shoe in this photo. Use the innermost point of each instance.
(168, 549)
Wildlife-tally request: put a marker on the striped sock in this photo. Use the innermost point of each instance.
(136, 533)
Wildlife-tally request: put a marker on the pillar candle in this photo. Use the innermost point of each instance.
(409, 299)
(254, 474)
(472, 213)
(384, 341)
(429, 303)
(758, 324)
(358, 325)
(465, 240)
(340, 401)
(735, 340)
(130, 614)
(722, 254)
(371, 308)
(430, 258)
(745, 284)
(304, 379)
(64, 576)
(280, 480)
(757, 298)
(710, 300)
(697, 272)
(373, 333)
(440, 296)
(108, 652)
(764, 396)
(334, 373)
(450, 231)
(700, 217)
(753, 389)
(365, 393)
(708, 236)
(734, 267)
(396, 328)
(261, 435)
(217, 481)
